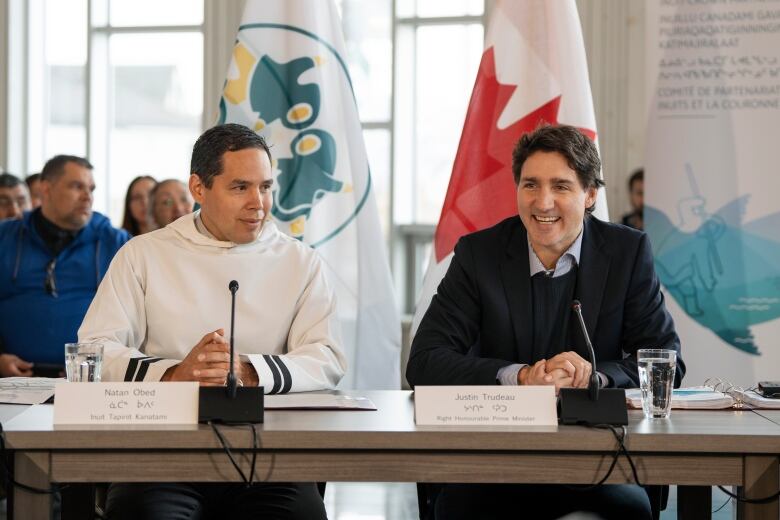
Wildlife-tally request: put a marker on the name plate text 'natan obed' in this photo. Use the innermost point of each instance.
(166, 403)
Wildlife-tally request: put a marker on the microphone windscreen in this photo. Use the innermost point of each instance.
(233, 286)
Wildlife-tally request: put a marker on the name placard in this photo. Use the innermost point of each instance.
(126, 403)
(485, 405)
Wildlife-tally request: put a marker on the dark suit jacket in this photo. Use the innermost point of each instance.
(480, 319)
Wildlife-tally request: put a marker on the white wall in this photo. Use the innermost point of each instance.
(614, 32)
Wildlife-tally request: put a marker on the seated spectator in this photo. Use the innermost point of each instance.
(170, 199)
(14, 198)
(51, 263)
(138, 218)
(636, 190)
(34, 185)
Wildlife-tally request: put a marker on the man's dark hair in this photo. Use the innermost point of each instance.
(55, 166)
(30, 179)
(211, 146)
(578, 150)
(638, 175)
(8, 180)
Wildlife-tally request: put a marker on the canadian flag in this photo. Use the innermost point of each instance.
(533, 70)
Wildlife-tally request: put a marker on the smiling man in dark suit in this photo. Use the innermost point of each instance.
(502, 313)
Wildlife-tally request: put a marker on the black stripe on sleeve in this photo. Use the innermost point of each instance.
(275, 373)
(285, 375)
(144, 367)
(132, 365)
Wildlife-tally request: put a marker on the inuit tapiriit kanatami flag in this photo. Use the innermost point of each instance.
(533, 71)
(288, 80)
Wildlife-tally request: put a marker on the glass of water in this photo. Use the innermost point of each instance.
(83, 362)
(656, 376)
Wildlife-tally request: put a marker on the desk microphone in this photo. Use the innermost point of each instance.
(593, 384)
(594, 405)
(232, 381)
(232, 404)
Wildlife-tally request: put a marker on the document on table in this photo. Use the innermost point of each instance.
(27, 390)
(306, 401)
(691, 398)
(705, 398)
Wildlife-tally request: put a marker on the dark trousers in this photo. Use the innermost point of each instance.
(489, 501)
(298, 501)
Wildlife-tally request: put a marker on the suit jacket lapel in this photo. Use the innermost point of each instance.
(591, 280)
(517, 286)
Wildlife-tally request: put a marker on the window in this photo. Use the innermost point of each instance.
(118, 81)
(122, 82)
(413, 71)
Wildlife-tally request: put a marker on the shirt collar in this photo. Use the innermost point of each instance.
(55, 237)
(201, 227)
(569, 259)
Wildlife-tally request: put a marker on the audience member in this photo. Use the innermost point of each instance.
(170, 199)
(138, 218)
(636, 191)
(34, 185)
(14, 198)
(51, 263)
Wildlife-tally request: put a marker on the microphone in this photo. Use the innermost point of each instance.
(593, 384)
(232, 404)
(594, 405)
(232, 381)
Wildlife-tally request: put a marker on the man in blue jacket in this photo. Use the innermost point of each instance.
(51, 263)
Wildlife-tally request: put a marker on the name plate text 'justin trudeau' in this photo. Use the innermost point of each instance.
(166, 403)
(485, 405)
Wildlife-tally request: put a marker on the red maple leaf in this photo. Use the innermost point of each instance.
(482, 190)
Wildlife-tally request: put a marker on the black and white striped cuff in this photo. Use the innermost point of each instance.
(274, 375)
(151, 368)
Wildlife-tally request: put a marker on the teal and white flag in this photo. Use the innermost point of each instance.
(288, 80)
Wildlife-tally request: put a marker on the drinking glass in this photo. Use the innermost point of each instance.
(656, 375)
(83, 362)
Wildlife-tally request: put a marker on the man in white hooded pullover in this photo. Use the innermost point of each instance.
(164, 306)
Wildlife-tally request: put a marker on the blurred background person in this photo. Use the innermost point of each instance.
(51, 263)
(34, 185)
(170, 199)
(636, 192)
(138, 217)
(14, 197)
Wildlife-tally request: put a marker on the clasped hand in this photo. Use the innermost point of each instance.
(565, 370)
(209, 363)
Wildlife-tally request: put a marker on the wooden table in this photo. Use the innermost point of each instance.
(692, 448)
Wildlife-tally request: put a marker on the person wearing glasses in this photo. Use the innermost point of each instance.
(51, 263)
(169, 200)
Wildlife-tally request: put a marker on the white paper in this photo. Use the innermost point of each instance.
(317, 402)
(691, 398)
(27, 390)
(485, 405)
(756, 400)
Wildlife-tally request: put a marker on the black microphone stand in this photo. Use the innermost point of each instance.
(232, 381)
(593, 405)
(232, 404)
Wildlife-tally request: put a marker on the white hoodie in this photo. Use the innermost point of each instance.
(165, 290)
